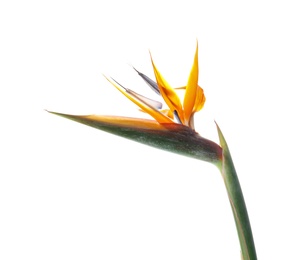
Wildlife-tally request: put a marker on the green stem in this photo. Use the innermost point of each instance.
(237, 202)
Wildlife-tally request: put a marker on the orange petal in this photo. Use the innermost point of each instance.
(191, 88)
(168, 93)
(200, 100)
(161, 118)
(133, 123)
(168, 113)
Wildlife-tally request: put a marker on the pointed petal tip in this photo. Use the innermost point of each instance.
(103, 74)
(129, 64)
(134, 68)
(150, 55)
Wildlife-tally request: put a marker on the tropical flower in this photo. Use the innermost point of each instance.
(172, 129)
(194, 98)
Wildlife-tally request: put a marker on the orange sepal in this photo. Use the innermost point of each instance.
(168, 93)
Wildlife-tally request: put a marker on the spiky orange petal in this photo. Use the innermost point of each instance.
(200, 100)
(191, 88)
(160, 117)
(168, 93)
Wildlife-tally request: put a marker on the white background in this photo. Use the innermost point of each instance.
(68, 191)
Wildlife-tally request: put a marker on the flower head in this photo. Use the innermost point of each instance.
(173, 127)
(182, 111)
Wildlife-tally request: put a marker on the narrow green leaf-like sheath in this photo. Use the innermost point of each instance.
(237, 202)
(170, 137)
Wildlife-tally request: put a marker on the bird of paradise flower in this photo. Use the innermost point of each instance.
(173, 130)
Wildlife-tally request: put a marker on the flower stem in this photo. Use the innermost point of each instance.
(237, 202)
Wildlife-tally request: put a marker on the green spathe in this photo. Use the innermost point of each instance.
(174, 138)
